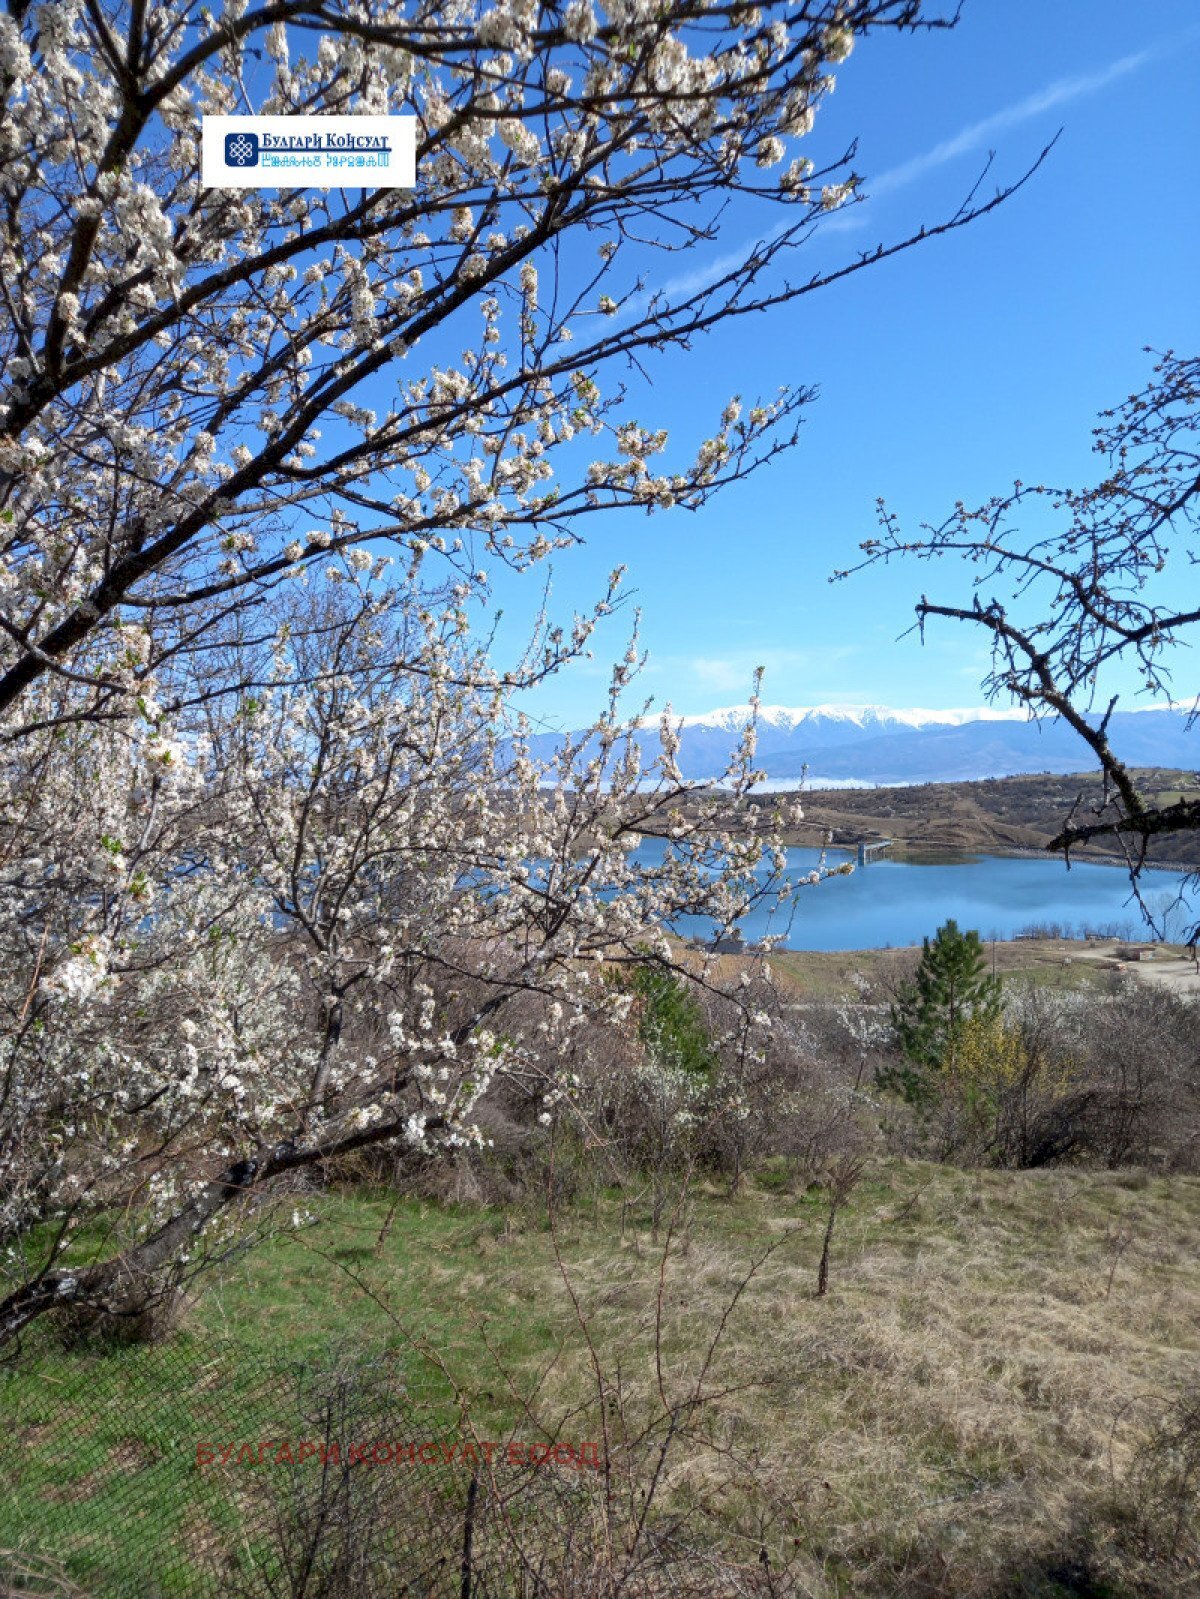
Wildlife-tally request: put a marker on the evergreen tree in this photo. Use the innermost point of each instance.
(951, 986)
(670, 1022)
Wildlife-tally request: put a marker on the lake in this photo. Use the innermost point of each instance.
(893, 902)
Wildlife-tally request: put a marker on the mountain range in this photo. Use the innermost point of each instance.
(851, 745)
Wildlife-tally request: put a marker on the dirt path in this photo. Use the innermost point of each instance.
(1168, 967)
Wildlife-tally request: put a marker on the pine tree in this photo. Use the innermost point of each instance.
(951, 986)
(670, 1022)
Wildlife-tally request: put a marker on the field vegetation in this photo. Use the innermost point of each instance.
(961, 1413)
(826, 1337)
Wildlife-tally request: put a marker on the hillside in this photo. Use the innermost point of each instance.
(993, 815)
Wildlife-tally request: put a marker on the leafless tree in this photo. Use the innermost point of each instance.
(1071, 583)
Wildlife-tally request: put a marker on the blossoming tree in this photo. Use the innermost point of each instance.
(271, 873)
(204, 388)
(303, 928)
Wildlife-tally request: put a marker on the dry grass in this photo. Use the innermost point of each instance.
(965, 1415)
(950, 1413)
(821, 975)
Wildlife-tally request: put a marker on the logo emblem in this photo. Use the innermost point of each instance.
(241, 149)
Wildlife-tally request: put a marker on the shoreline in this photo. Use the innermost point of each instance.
(1014, 852)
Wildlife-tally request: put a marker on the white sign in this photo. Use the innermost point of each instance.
(308, 152)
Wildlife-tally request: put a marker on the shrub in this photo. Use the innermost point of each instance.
(670, 1021)
(1156, 1498)
(1053, 1078)
(950, 987)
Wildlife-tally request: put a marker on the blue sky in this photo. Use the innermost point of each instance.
(944, 374)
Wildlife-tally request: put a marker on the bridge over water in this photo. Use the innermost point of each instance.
(868, 848)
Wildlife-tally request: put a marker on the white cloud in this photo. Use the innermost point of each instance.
(725, 675)
(733, 673)
(975, 136)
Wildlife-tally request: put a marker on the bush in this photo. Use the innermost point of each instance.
(1110, 1080)
(949, 989)
(1156, 1498)
(670, 1021)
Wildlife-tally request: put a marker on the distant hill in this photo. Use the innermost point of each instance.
(993, 816)
(872, 744)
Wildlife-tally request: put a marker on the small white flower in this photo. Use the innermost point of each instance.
(838, 44)
(579, 24)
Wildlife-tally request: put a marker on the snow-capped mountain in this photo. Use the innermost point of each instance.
(860, 716)
(869, 744)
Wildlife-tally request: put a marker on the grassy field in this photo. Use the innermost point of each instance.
(954, 1417)
(816, 975)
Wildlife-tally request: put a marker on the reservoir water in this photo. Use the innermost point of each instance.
(893, 902)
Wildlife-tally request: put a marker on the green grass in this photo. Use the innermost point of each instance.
(123, 1428)
(960, 1386)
